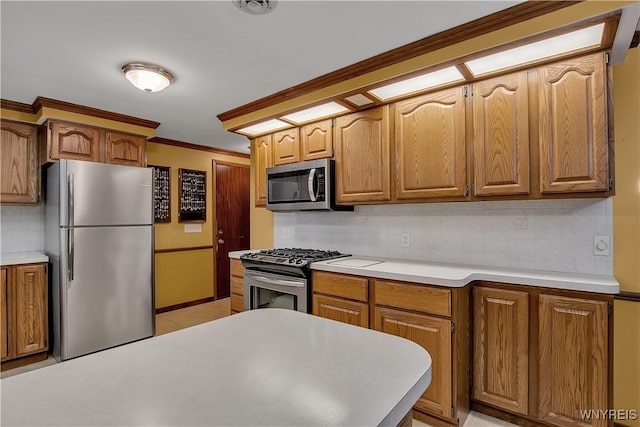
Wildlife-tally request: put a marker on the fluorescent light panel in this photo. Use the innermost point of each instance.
(317, 112)
(586, 37)
(269, 125)
(425, 81)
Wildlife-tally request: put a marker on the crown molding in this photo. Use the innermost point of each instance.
(181, 144)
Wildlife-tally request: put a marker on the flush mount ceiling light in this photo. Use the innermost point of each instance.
(258, 128)
(415, 84)
(317, 112)
(147, 77)
(580, 39)
(255, 7)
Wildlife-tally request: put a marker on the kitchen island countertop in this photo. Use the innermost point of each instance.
(458, 275)
(261, 367)
(14, 258)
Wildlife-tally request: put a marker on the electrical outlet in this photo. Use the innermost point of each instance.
(193, 228)
(286, 233)
(406, 240)
(521, 223)
(601, 245)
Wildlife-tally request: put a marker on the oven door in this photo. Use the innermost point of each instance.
(269, 290)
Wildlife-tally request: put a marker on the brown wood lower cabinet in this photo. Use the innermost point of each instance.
(341, 297)
(434, 335)
(342, 310)
(237, 286)
(24, 310)
(541, 355)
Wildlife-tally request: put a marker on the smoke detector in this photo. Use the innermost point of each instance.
(256, 7)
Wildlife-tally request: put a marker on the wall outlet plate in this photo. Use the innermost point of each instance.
(601, 245)
(193, 228)
(406, 240)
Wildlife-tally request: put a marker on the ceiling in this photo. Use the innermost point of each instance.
(222, 58)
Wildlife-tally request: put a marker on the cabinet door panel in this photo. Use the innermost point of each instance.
(125, 149)
(19, 164)
(263, 155)
(362, 156)
(430, 146)
(573, 359)
(30, 292)
(501, 135)
(286, 147)
(4, 318)
(434, 335)
(70, 141)
(501, 348)
(573, 125)
(317, 140)
(351, 312)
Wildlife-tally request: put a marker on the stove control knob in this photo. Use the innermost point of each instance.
(299, 261)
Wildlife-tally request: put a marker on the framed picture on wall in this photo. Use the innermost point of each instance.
(193, 195)
(161, 193)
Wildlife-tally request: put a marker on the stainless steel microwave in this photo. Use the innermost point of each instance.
(302, 186)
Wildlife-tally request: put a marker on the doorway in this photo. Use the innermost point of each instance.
(232, 223)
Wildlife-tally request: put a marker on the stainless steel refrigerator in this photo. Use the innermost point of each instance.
(99, 239)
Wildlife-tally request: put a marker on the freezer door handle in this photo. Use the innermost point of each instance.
(71, 199)
(70, 231)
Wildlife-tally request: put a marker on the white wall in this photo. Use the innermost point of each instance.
(21, 228)
(554, 235)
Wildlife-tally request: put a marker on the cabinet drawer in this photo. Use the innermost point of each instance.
(236, 268)
(237, 305)
(237, 285)
(351, 312)
(413, 297)
(341, 285)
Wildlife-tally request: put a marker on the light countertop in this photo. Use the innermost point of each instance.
(458, 275)
(261, 367)
(13, 258)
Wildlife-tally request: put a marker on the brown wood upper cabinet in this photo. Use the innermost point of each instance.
(263, 155)
(430, 146)
(501, 135)
(573, 125)
(362, 144)
(20, 180)
(24, 310)
(125, 149)
(71, 141)
(317, 140)
(501, 348)
(286, 146)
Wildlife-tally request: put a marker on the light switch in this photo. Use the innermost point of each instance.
(193, 228)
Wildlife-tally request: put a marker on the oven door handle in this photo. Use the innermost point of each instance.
(271, 281)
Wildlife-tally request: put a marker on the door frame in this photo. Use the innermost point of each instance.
(214, 210)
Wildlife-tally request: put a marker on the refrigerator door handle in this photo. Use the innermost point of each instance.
(71, 222)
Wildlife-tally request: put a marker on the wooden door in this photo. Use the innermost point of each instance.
(573, 362)
(342, 310)
(286, 146)
(19, 166)
(317, 140)
(430, 146)
(263, 159)
(30, 305)
(573, 125)
(70, 141)
(501, 135)
(362, 156)
(501, 348)
(434, 335)
(4, 317)
(125, 149)
(232, 230)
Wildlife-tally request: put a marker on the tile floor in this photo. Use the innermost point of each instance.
(178, 319)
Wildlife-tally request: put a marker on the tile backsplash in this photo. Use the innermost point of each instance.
(551, 235)
(21, 228)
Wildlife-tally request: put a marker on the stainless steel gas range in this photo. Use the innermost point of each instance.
(281, 278)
